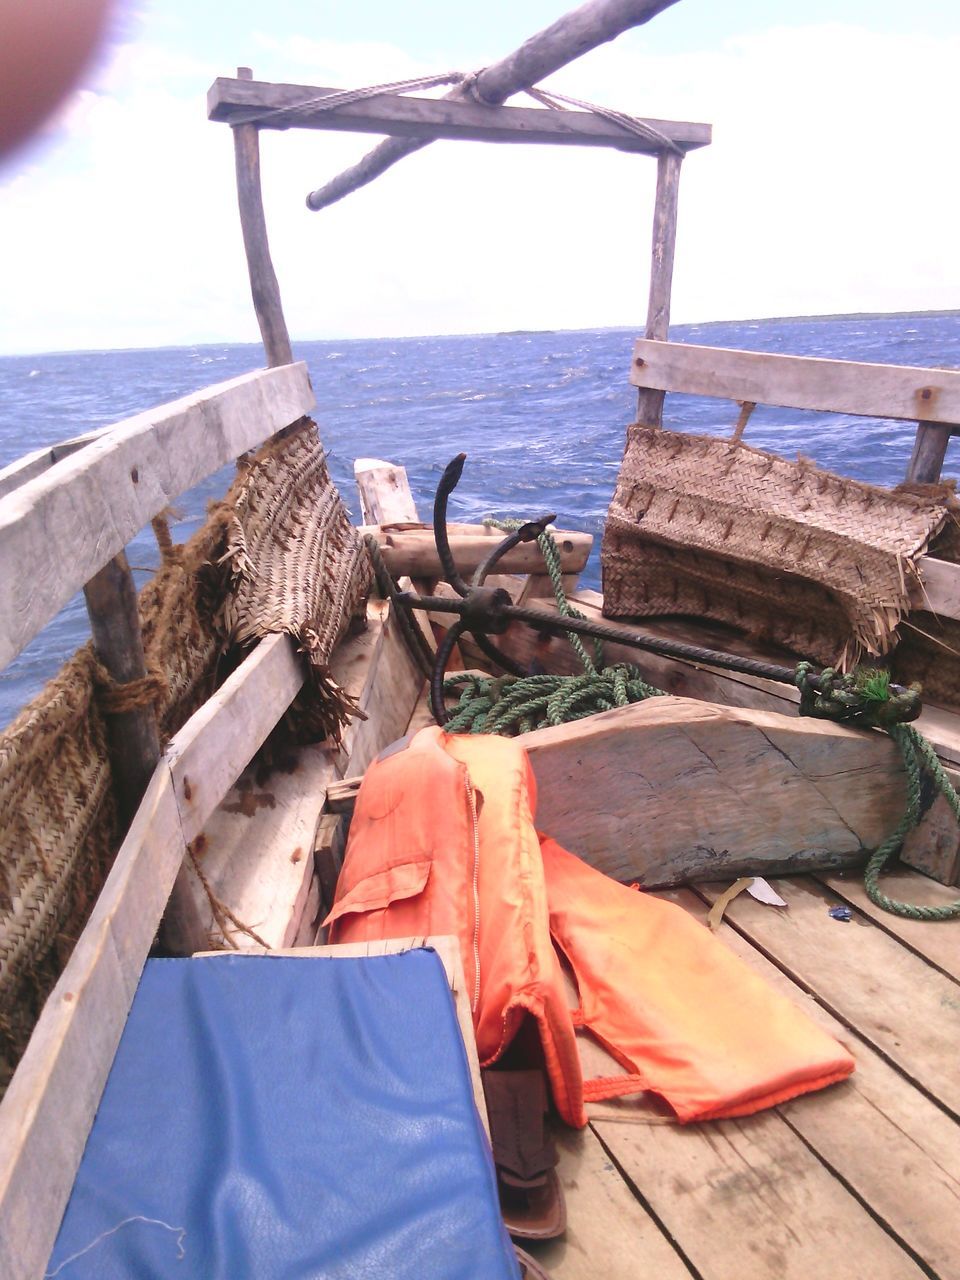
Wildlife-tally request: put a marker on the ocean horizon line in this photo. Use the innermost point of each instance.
(492, 333)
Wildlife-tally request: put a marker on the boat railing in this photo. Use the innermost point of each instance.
(929, 397)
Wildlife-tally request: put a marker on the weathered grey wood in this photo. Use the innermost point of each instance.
(911, 1016)
(894, 1148)
(799, 382)
(41, 460)
(568, 38)
(132, 739)
(257, 851)
(46, 1114)
(650, 402)
(747, 1200)
(609, 1235)
(220, 738)
(391, 684)
(929, 451)
(414, 551)
(938, 942)
(932, 848)
(238, 101)
(385, 496)
(263, 279)
(669, 790)
(69, 522)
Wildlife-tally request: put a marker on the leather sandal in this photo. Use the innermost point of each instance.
(531, 1197)
(530, 1269)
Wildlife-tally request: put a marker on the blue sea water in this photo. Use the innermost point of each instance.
(541, 417)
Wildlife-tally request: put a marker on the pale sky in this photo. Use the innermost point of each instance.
(832, 183)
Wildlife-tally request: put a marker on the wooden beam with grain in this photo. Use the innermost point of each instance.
(800, 382)
(264, 287)
(895, 1149)
(47, 1111)
(571, 36)
(414, 551)
(283, 106)
(67, 523)
(36, 463)
(670, 790)
(385, 496)
(650, 401)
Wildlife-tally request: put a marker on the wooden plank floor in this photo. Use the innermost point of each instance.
(859, 1180)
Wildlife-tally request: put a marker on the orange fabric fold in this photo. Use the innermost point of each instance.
(443, 841)
(685, 1015)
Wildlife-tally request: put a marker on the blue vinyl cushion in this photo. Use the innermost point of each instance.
(283, 1118)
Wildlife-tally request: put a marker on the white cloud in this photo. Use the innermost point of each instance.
(829, 187)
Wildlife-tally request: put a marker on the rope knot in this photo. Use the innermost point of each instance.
(117, 696)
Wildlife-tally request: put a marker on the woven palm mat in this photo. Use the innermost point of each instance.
(787, 552)
(281, 523)
(296, 564)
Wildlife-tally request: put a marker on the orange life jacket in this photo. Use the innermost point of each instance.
(442, 842)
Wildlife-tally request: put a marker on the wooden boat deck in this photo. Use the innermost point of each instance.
(858, 1180)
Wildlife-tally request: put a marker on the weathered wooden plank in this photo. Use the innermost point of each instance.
(932, 848)
(47, 1111)
(391, 687)
(385, 496)
(663, 791)
(609, 1232)
(799, 382)
(939, 587)
(285, 106)
(256, 849)
(937, 941)
(895, 1001)
(96, 500)
(217, 741)
(650, 401)
(264, 288)
(747, 1200)
(893, 1147)
(40, 460)
(414, 552)
(568, 38)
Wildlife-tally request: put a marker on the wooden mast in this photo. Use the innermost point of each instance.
(263, 278)
(562, 42)
(650, 402)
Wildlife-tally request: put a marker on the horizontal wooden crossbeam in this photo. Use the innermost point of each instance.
(285, 106)
(799, 382)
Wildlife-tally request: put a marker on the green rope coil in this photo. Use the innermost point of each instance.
(510, 705)
(917, 754)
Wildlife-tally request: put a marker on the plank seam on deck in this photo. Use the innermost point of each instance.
(865, 1204)
(834, 1011)
(886, 928)
(648, 1208)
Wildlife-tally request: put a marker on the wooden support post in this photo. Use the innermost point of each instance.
(263, 278)
(650, 402)
(132, 738)
(929, 449)
(133, 742)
